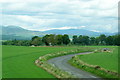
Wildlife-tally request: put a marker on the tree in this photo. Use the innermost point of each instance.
(74, 40)
(37, 41)
(45, 39)
(97, 40)
(34, 37)
(20, 43)
(92, 40)
(14, 42)
(53, 39)
(49, 39)
(66, 39)
(102, 39)
(85, 40)
(117, 40)
(80, 40)
(7, 43)
(26, 43)
(59, 39)
(110, 40)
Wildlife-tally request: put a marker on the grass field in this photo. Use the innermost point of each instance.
(106, 60)
(18, 62)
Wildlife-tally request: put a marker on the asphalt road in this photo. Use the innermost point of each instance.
(62, 63)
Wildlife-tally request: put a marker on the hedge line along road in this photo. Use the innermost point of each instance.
(62, 63)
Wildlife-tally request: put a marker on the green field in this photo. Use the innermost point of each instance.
(107, 60)
(18, 62)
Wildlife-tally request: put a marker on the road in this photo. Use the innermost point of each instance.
(62, 63)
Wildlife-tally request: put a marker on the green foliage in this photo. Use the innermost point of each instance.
(34, 37)
(36, 41)
(17, 42)
(100, 40)
(85, 40)
(52, 40)
(59, 39)
(66, 39)
(117, 40)
(92, 40)
(56, 39)
(110, 40)
(74, 40)
(45, 40)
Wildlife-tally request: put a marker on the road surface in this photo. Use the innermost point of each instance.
(62, 63)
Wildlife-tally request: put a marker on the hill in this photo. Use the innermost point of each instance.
(75, 32)
(16, 32)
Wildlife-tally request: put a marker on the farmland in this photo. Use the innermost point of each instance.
(104, 59)
(18, 61)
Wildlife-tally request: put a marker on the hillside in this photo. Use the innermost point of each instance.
(15, 32)
(75, 32)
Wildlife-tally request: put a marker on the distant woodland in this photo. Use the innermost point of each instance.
(57, 40)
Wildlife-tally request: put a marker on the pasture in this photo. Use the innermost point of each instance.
(107, 60)
(18, 61)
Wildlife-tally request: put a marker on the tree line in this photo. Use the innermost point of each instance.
(52, 40)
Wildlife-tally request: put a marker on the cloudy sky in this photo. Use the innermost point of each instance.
(94, 15)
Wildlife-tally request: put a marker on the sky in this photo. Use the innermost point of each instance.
(41, 15)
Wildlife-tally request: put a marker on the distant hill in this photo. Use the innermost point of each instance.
(75, 32)
(15, 32)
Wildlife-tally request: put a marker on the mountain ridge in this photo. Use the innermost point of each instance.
(15, 32)
(75, 32)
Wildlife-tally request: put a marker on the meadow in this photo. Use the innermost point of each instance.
(107, 60)
(18, 61)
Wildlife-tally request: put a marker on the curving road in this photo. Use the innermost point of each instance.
(62, 63)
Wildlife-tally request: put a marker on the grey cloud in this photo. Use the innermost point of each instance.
(54, 14)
